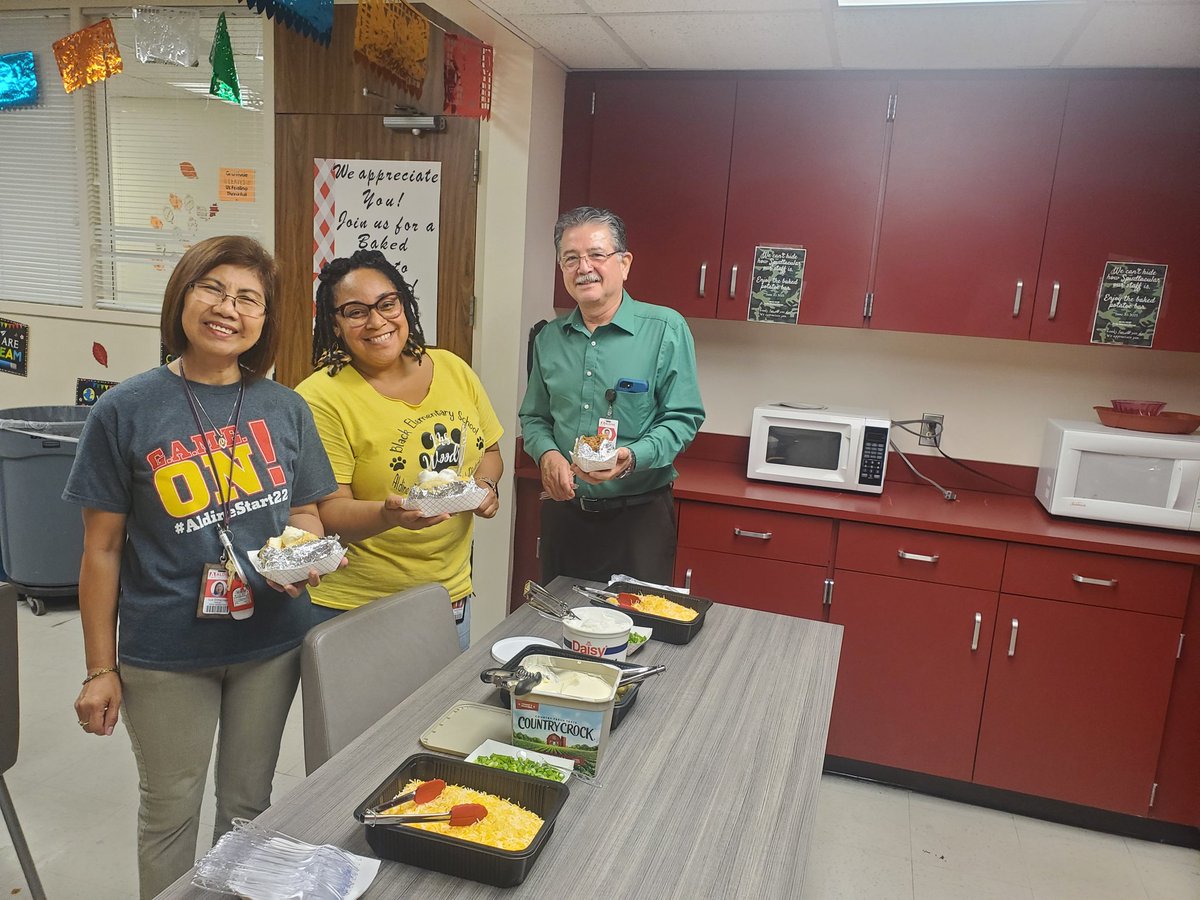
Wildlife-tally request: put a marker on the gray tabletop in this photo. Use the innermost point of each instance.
(707, 789)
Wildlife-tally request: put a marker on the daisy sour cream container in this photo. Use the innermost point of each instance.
(596, 632)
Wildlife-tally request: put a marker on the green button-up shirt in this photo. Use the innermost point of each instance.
(572, 370)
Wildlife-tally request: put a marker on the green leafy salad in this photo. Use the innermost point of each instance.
(533, 767)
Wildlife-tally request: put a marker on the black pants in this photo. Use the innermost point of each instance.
(635, 540)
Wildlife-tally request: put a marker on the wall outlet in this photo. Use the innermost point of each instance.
(931, 430)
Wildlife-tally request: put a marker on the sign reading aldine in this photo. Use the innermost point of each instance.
(1128, 303)
(388, 205)
(775, 284)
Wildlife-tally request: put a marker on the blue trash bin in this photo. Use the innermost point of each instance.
(41, 535)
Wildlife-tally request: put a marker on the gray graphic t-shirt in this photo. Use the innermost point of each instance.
(140, 454)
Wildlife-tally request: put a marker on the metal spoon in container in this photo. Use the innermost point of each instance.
(461, 815)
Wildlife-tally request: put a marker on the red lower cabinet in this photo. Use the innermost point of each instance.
(771, 585)
(1076, 701)
(912, 673)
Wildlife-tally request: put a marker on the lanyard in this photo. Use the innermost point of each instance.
(224, 494)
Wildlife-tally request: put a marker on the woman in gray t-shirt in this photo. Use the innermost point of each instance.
(175, 468)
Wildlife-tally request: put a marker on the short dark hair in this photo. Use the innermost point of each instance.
(584, 215)
(329, 352)
(198, 261)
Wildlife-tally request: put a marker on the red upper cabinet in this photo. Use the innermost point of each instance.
(968, 190)
(1127, 188)
(660, 160)
(808, 153)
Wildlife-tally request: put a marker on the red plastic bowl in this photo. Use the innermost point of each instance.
(1139, 407)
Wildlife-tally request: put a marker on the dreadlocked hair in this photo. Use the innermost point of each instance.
(329, 351)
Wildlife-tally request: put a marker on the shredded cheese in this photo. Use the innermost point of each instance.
(507, 826)
(661, 606)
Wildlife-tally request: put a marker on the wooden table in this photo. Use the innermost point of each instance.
(707, 789)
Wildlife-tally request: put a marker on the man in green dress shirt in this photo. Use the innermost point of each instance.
(611, 358)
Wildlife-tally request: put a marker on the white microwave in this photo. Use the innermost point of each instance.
(1092, 471)
(820, 446)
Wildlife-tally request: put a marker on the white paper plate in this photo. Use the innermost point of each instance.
(488, 747)
(506, 648)
(323, 566)
(645, 632)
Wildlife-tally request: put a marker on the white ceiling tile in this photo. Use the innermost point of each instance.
(734, 6)
(578, 42)
(510, 8)
(1139, 34)
(1012, 36)
(726, 40)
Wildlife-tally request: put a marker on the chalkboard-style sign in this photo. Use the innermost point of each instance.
(88, 390)
(1128, 302)
(775, 284)
(14, 347)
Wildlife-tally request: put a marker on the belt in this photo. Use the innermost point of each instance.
(610, 504)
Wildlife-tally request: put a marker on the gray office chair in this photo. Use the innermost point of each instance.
(10, 732)
(358, 666)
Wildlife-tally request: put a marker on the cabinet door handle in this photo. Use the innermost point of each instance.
(975, 634)
(917, 557)
(687, 579)
(827, 596)
(1017, 299)
(733, 281)
(1012, 640)
(757, 535)
(704, 272)
(1099, 582)
(1054, 301)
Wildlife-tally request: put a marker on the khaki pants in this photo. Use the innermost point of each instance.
(171, 718)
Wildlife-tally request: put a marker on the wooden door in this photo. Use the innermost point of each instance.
(660, 160)
(1127, 188)
(322, 112)
(968, 189)
(1076, 712)
(912, 672)
(808, 153)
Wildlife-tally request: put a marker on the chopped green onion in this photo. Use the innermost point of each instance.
(533, 767)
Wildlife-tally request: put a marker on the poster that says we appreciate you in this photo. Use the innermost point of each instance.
(387, 205)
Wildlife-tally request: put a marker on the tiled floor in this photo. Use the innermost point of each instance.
(871, 842)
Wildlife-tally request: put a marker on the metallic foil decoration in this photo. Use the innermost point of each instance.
(393, 38)
(468, 77)
(18, 79)
(166, 35)
(224, 77)
(87, 56)
(311, 18)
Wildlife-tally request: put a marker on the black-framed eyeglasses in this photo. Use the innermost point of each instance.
(213, 294)
(390, 306)
(570, 262)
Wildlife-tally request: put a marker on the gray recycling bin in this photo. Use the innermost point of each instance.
(41, 536)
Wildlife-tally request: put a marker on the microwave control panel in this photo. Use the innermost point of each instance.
(874, 456)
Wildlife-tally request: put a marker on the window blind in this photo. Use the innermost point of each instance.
(159, 141)
(41, 236)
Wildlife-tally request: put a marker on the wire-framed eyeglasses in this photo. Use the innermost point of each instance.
(213, 294)
(390, 306)
(570, 262)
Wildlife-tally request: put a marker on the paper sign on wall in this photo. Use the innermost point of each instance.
(14, 347)
(775, 284)
(88, 390)
(1128, 302)
(235, 185)
(388, 205)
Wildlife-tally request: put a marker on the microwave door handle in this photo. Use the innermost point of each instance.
(1176, 484)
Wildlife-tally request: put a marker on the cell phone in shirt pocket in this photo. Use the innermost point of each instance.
(632, 385)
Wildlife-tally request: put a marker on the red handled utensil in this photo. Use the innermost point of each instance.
(625, 599)
(425, 792)
(459, 816)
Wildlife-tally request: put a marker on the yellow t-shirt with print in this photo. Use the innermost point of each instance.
(378, 446)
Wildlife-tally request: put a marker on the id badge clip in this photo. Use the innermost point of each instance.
(241, 599)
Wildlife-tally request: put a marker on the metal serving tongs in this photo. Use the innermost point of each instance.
(461, 815)
(636, 674)
(547, 604)
(519, 680)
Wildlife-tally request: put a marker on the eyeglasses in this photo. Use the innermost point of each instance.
(570, 262)
(390, 306)
(214, 295)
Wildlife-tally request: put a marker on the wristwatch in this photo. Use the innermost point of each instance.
(632, 464)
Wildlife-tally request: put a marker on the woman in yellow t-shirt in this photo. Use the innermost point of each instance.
(388, 408)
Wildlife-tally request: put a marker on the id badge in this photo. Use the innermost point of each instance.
(608, 429)
(214, 592)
